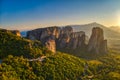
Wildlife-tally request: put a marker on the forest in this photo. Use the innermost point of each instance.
(19, 62)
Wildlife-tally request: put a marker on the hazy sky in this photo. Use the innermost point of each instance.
(28, 14)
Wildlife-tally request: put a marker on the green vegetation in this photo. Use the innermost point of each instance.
(11, 44)
(107, 67)
(58, 67)
(16, 53)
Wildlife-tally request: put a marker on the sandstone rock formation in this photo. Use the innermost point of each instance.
(60, 37)
(65, 39)
(42, 33)
(47, 36)
(72, 40)
(97, 44)
(51, 45)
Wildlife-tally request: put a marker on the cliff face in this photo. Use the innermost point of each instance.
(65, 38)
(47, 36)
(55, 37)
(43, 33)
(97, 44)
(72, 40)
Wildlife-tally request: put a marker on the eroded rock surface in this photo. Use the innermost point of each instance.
(47, 36)
(97, 44)
(64, 38)
(60, 37)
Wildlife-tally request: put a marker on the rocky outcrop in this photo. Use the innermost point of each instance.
(43, 33)
(65, 39)
(72, 40)
(97, 44)
(47, 36)
(56, 37)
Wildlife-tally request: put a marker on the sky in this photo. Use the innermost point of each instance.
(30, 14)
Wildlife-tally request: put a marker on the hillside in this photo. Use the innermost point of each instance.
(10, 44)
(18, 62)
(16, 54)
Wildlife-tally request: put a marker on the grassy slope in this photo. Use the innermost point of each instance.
(15, 52)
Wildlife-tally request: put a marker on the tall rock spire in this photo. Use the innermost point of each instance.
(97, 44)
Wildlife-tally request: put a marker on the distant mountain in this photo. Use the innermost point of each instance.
(111, 35)
(88, 27)
(115, 28)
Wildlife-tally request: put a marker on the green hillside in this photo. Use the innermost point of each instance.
(16, 53)
(58, 67)
(11, 44)
(61, 67)
(19, 62)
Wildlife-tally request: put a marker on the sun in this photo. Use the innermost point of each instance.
(119, 21)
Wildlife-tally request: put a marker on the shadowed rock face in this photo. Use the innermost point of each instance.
(97, 44)
(60, 37)
(65, 39)
(47, 36)
(72, 40)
